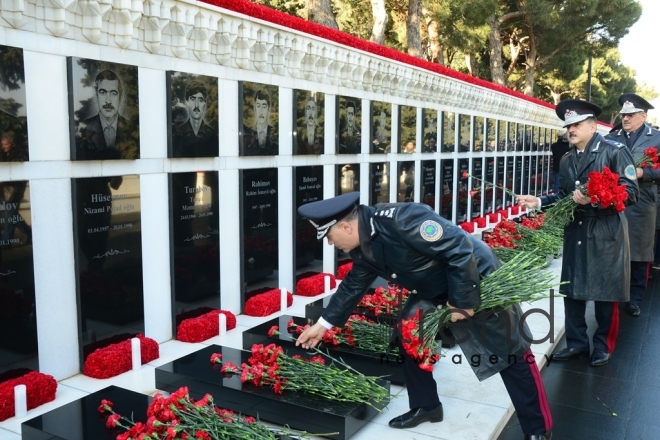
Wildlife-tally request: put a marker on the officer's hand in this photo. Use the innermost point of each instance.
(528, 201)
(311, 337)
(580, 198)
(460, 314)
(640, 172)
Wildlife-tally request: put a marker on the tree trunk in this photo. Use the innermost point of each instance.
(413, 28)
(434, 43)
(380, 21)
(495, 51)
(471, 63)
(531, 58)
(556, 96)
(320, 11)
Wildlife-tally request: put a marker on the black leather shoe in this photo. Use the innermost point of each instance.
(599, 358)
(633, 310)
(546, 436)
(416, 416)
(567, 354)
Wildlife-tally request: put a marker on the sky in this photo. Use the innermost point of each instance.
(639, 49)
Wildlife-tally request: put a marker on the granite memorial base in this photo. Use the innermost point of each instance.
(298, 410)
(81, 420)
(388, 366)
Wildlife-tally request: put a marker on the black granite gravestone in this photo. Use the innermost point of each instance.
(430, 131)
(194, 230)
(511, 179)
(108, 242)
(379, 187)
(406, 181)
(429, 168)
(478, 188)
(381, 127)
(407, 129)
(309, 188)
(500, 194)
(309, 122)
(349, 125)
(489, 193)
(463, 195)
(18, 314)
(447, 180)
(258, 118)
(13, 106)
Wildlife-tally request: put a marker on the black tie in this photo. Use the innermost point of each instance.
(579, 155)
(629, 141)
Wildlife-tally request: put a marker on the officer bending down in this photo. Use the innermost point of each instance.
(411, 245)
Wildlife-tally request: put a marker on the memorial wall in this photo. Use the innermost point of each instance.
(153, 158)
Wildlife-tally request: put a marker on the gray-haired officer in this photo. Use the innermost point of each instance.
(637, 136)
(596, 253)
(411, 245)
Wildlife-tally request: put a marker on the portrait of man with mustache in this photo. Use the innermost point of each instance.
(107, 135)
(263, 141)
(194, 137)
(310, 134)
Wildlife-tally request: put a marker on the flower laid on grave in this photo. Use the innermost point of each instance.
(314, 285)
(504, 213)
(648, 159)
(493, 217)
(179, 416)
(602, 187)
(270, 366)
(384, 300)
(40, 388)
(203, 327)
(266, 303)
(467, 227)
(488, 185)
(343, 268)
(528, 236)
(359, 332)
(502, 288)
(117, 358)
(480, 221)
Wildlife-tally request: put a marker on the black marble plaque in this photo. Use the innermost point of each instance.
(258, 119)
(13, 106)
(81, 420)
(387, 366)
(194, 229)
(511, 136)
(447, 180)
(308, 189)
(18, 319)
(379, 187)
(501, 135)
(518, 176)
(463, 194)
(259, 225)
(500, 195)
(527, 175)
(535, 176)
(381, 127)
(464, 133)
(309, 122)
(528, 138)
(108, 242)
(103, 109)
(520, 135)
(429, 168)
(477, 197)
(298, 410)
(489, 191)
(478, 139)
(511, 180)
(408, 128)
(491, 135)
(448, 131)
(430, 133)
(349, 119)
(348, 178)
(406, 181)
(193, 116)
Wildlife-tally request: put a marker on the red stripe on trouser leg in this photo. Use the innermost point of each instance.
(614, 328)
(540, 389)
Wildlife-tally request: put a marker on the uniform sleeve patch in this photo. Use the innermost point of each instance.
(630, 172)
(431, 230)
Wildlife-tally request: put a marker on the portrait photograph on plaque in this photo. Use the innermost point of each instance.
(511, 180)
(447, 188)
(104, 110)
(511, 136)
(194, 220)
(349, 120)
(13, 110)
(381, 127)
(406, 181)
(478, 139)
(464, 133)
(408, 128)
(259, 237)
(499, 193)
(108, 258)
(309, 250)
(463, 194)
(309, 122)
(379, 187)
(428, 182)
(489, 193)
(18, 320)
(258, 116)
(491, 134)
(193, 117)
(501, 135)
(448, 131)
(430, 132)
(477, 187)
(348, 178)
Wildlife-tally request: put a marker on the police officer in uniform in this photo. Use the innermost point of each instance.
(637, 136)
(411, 245)
(596, 256)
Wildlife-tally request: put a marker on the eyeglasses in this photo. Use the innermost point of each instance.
(630, 115)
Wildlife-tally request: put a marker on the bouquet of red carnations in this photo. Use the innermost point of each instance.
(649, 159)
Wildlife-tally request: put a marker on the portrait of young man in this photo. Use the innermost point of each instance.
(350, 134)
(259, 119)
(309, 122)
(104, 100)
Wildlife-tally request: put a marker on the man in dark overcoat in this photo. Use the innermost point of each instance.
(637, 136)
(411, 245)
(596, 255)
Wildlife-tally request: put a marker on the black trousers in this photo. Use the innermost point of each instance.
(639, 276)
(607, 317)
